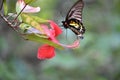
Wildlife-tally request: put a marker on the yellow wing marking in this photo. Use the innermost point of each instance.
(72, 23)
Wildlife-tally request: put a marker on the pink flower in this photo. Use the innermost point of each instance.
(28, 9)
(46, 51)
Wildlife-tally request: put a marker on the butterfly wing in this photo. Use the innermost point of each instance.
(76, 11)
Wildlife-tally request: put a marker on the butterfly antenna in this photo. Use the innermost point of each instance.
(66, 34)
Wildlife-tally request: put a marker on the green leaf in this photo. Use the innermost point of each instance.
(31, 21)
(38, 39)
(25, 28)
(5, 7)
(38, 19)
(28, 1)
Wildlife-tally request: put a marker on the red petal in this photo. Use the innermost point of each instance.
(50, 33)
(57, 29)
(46, 52)
(73, 45)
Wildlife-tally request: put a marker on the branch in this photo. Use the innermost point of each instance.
(12, 26)
(1, 5)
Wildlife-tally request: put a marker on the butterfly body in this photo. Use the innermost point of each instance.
(74, 19)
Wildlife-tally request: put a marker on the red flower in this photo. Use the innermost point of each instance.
(47, 51)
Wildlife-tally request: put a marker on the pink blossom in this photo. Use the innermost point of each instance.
(28, 9)
(46, 51)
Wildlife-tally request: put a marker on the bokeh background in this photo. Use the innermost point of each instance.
(97, 58)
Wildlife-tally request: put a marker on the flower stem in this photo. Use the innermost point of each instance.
(12, 26)
(19, 13)
(1, 5)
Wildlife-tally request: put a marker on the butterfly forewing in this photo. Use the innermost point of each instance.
(76, 11)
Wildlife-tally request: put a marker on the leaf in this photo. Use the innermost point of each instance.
(38, 39)
(31, 21)
(28, 1)
(40, 20)
(5, 7)
(27, 29)
(24, 27)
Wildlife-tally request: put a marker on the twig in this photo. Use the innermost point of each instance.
(1, 5)
(12, 26)
(19, 13)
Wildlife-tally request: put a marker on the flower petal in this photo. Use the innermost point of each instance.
(57, 29)
(50, 33)
(46, 52)
(73, 45)
(28, 9)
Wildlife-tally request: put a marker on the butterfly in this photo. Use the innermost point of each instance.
(73, 19)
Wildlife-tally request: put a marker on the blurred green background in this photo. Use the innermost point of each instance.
(97, 58)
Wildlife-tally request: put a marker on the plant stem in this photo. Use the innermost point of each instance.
(1, 5)
(19, 13)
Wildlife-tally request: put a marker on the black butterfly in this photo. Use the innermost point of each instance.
(73, 19)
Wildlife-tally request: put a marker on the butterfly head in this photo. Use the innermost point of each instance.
(65, 24)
